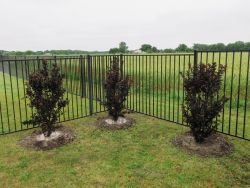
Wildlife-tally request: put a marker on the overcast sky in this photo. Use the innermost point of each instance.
(102, 24)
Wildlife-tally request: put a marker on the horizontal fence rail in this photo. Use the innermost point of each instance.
(157, 87)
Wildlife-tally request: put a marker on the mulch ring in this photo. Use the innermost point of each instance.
(108, 124)
(216, 145)
(64, 135)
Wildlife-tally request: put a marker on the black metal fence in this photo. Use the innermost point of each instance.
(157, 88)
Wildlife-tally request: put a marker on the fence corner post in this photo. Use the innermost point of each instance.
(89, 64)
(83, 94)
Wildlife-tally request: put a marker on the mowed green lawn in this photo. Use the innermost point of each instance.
(142, 156)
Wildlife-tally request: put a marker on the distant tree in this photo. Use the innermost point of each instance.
(18, 53)
(123, 48)
(247, 46)
(168, 50)
(238, 45)
(39, 53)
(28, 52)
(219, 46)
(154, 50)
(182, 48)
(146, 48)
(114, 50)
(200, 47)
(230, 46)
(149, 49)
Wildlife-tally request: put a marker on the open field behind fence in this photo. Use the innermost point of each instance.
(157, 88)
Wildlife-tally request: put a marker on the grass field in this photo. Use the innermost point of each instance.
(142, 156)
(156, 90)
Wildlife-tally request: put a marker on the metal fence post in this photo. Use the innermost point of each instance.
(55, 59)
(83, 94)
(89, 64)
(121, 66)
(38, 62)
(195, 58)
(195, 62)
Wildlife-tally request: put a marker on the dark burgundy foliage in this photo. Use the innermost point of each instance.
(202, 101)
(45, 92)
(116, 89)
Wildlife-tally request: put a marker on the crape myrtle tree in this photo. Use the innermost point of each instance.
(203, 104)
(116, 89)
(45, 92)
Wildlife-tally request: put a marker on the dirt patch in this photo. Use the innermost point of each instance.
(37, 141)
(215, 145)
(109, 124)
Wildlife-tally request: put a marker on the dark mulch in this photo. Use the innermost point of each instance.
(102, 124)
(31, 141)
(216, 145)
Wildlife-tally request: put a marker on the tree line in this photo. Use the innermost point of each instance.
(146, 48)
(238, 45)
(49, 52)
